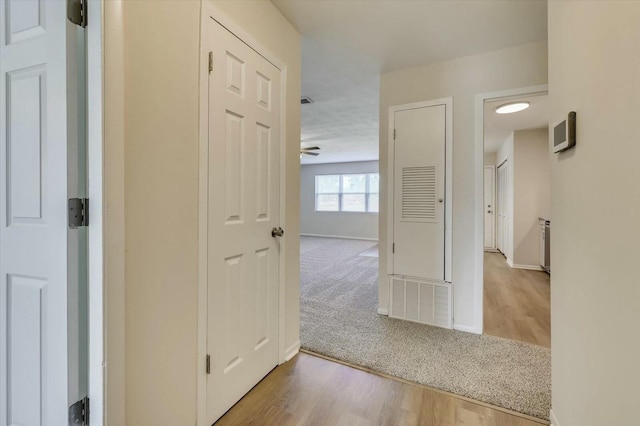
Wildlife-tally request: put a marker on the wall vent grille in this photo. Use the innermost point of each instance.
(421, 301)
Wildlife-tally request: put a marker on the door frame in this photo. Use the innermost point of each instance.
(448, 179)
(502, 169)
(95, 185)
(211, 11)
(494, 201)
(479, 191)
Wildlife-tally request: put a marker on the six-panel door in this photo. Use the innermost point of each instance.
(33, 206)
(243, 208)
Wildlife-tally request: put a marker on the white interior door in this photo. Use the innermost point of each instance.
(501, 187)
(243, 208)
(489, 207)
(419, 192)
(34, 383)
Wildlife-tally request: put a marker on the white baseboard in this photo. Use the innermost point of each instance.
(510, 262)
(468, 329)
(292, 351)
(553, 418)
(342, 237)
(382, 311)
(528, 267)
(491, 250)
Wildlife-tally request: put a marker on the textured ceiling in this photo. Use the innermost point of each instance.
(497, 127)
(346, 44)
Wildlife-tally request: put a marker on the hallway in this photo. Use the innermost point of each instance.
(517, 302)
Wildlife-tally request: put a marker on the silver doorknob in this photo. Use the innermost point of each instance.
(277, 232)
(488, 211)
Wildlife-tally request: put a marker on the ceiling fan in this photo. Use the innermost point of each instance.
(309, 150)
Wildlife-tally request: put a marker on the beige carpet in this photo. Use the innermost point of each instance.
(339, 319)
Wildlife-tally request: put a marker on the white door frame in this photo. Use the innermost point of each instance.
(479, 191)
(94, 164)
(494, 203)
(448, 178)
(95, 192)
(210, 11)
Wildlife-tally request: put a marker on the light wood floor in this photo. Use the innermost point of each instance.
(309, 390)
(517, 302)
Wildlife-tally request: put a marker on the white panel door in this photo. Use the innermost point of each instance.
(243, 208)
(489, 207)
(419, 190)
(33, 213)
(501, 186)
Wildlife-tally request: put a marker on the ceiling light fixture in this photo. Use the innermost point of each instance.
(513, 107)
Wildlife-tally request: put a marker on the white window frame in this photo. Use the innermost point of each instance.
(341, 193)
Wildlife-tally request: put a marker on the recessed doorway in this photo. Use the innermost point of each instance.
(516, 211)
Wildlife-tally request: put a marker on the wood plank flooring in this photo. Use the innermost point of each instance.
(309, 390)
(517, 302)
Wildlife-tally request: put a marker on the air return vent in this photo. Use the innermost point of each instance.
(417, 300)
(306, 100)
(419, 194)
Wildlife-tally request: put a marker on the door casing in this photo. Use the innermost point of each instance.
(478, 284)
(210, 11)
(490, 204)
(448, 103)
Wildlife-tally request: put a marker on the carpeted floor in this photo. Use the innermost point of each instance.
(339, 319)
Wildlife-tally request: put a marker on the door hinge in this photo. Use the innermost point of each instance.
(393, 248)
(78, 212)
(394, 134)
(79, 413)
(208, 364)
(77, 12)
(210, 62)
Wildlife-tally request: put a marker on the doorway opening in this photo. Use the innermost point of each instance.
(516, 211)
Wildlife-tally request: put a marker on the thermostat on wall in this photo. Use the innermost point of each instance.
(564, 133)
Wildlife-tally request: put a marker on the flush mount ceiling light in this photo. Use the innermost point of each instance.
(512, 107)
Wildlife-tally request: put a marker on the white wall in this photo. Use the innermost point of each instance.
(342, 224)
(594, 69)
(531, 193)
(505, 153)
(462, 78)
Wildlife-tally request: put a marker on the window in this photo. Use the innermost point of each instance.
(348, 193)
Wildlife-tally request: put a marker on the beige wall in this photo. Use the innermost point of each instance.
(461, 78)
(594, 69)
(531, 193)
(341, 224)
(113, 214)
(161, 40)
(490, 159)
(151, 138)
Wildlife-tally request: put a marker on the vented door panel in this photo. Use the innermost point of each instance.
(419, 188)
(422, 301)
(397, 297)
(419, 193)
(412, 304)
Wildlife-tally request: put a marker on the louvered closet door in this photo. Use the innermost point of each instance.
(419, 173)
